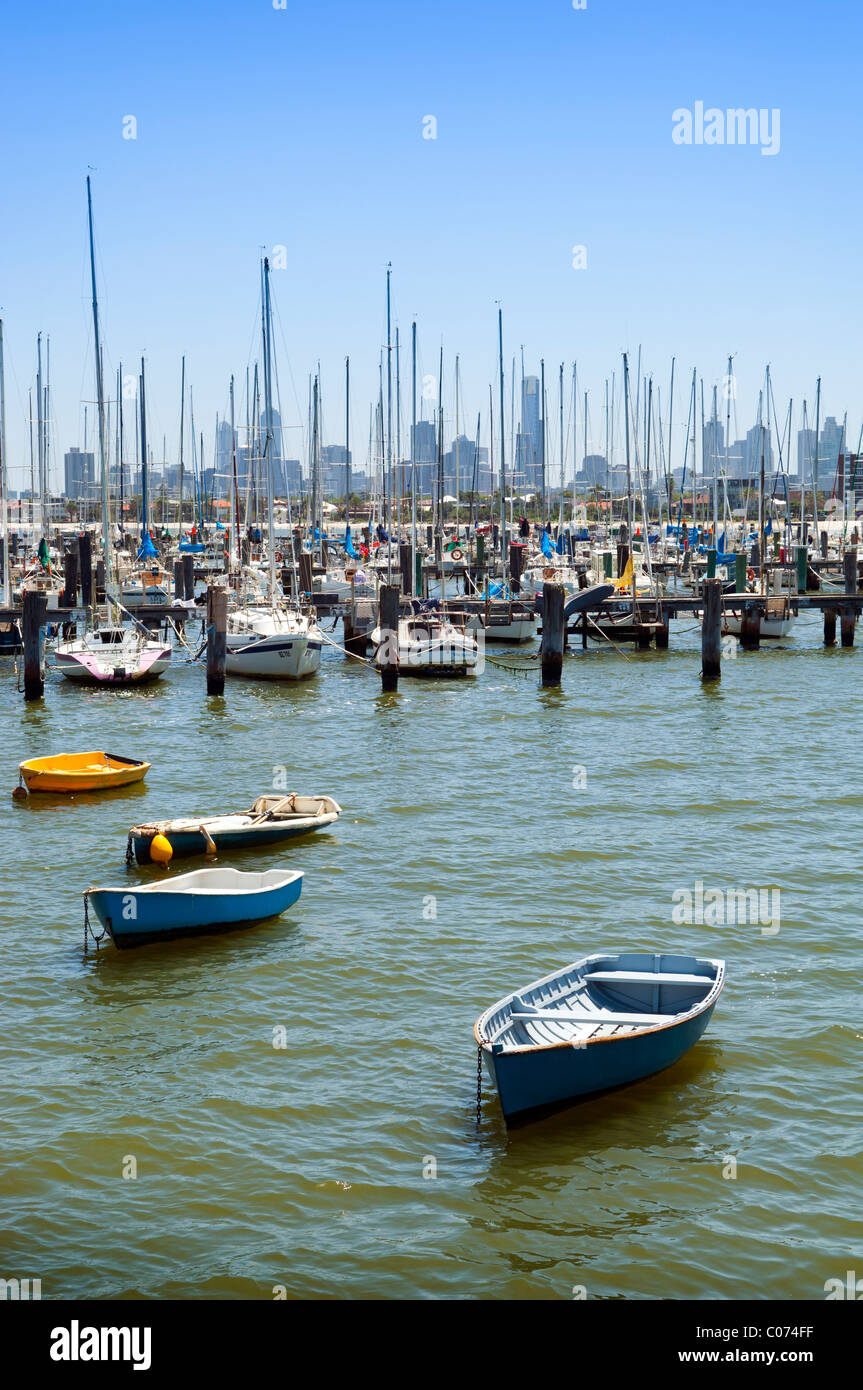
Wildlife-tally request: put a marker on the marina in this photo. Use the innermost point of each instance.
(431, 564)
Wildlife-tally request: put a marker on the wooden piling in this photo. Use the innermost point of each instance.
(711, 630)
(750, 626)
(388, 622)
(217, 620)
(189, 575)
(849, 615)
(405, 568)
(35, 609)
(830, 627)
(70, 577)
(305, 568)
(553, 633)
(85, 559)
(179, 580)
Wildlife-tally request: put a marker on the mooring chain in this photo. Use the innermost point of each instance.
(88, 930)
(478, 1086)
(130, 856)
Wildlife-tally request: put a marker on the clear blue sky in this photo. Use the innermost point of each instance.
(303, 127)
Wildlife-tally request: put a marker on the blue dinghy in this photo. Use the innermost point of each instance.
(602, 1022)
(208, 900)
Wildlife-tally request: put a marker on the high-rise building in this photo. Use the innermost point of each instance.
(335, 453)
(80, 474)
(528, 444)
(225, 441)
(805, 453)
(712, 447)
(829, 449)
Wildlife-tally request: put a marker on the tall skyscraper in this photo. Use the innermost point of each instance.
(80, 474)
(530, 460)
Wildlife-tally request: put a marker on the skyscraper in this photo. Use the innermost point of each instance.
(80, 474)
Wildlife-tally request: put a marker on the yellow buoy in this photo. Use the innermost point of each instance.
(161, 849)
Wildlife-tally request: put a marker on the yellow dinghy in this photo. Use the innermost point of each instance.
(80, 772)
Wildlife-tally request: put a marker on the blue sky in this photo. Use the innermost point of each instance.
(302, 127)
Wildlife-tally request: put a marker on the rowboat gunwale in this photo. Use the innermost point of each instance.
(638, 1030)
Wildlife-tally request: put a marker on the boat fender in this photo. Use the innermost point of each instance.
(161, 849)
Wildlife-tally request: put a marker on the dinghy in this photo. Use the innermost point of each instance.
(602, 1022)
(80, 772)
(209, 900)
(269, 820)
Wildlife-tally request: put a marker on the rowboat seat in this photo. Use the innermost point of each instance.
(647, 977)
(584, 1016)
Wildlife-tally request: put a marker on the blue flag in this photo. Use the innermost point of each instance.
(546, 546)
(349, 545)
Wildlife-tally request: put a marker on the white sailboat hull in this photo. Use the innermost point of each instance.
(272, 646)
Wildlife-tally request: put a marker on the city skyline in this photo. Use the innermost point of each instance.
(625, 253)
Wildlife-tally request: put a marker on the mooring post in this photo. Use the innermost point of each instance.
(217, 621)
(405, 568)
(305, 568)
(711, 630)
(740, 572)
(750, 626)
(179, 580)
(553, 633)
(516, 567)
(388, 622)
(830, 627)
(802, 567)
(85, 556)
(849, 612)
(35, 609)
(70, 577)
(189, 575)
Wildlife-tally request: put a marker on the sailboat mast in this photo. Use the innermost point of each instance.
(560, 392)
(268, 446)
(413, 456)
(235, 487)
(182, 434)
(4, 491)
(504, 557)
(347, 441)
(145, 501)
(100, 399)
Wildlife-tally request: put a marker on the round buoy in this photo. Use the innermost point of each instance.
(161, 849)
(457, 555)
(19, 794)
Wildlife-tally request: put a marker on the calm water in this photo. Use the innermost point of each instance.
(304, 1166)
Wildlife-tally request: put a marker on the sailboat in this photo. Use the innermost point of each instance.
(271, 641)
(110, 655)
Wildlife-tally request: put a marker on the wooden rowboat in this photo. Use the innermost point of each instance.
(209, 900)
(268, 821)
(601, 1022)
(80, 772)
